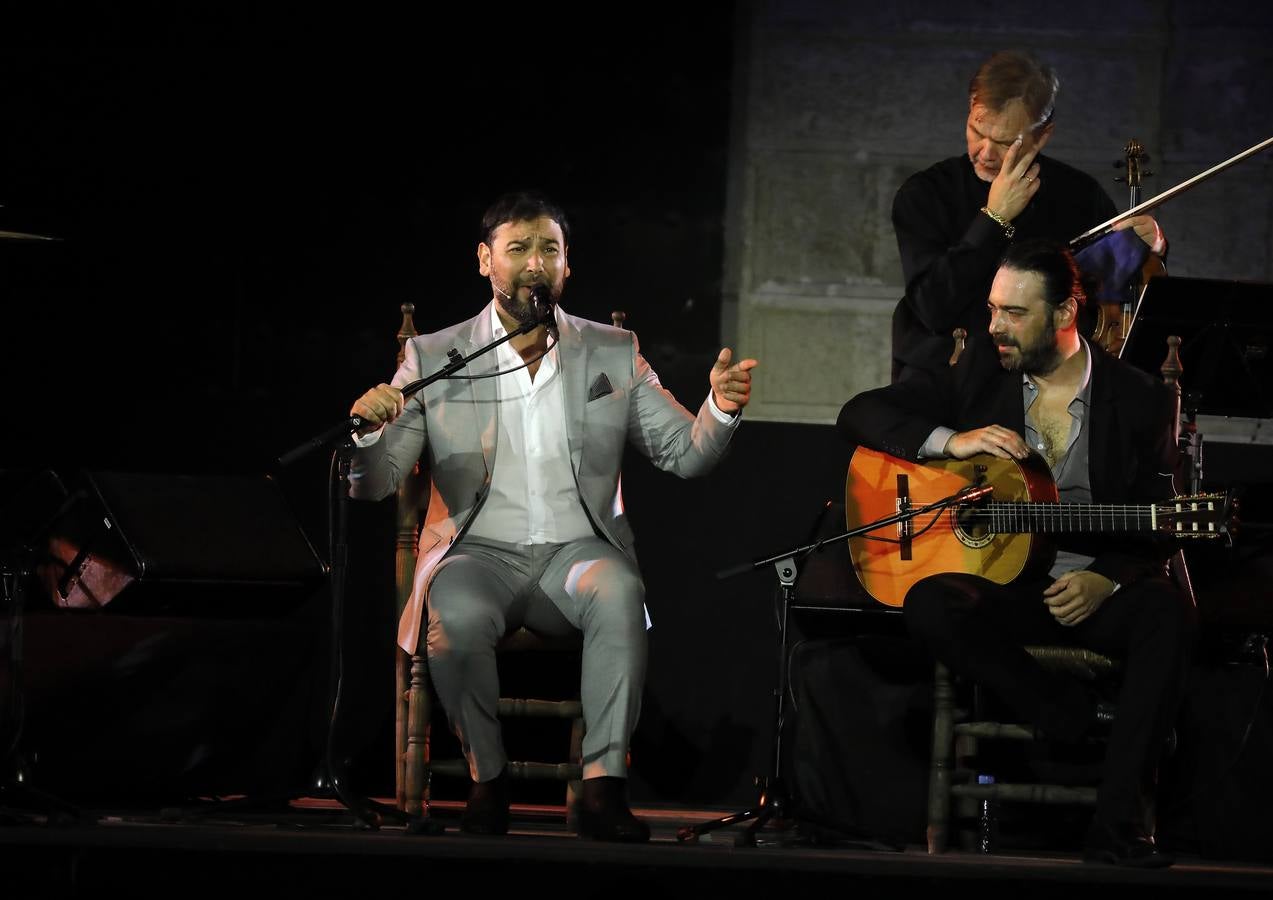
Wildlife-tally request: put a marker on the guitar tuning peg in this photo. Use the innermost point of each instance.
(1119, 179)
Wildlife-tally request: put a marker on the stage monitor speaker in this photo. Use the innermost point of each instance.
(210, 541)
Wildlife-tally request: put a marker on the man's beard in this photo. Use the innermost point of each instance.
(1041, 357)
(520, 311)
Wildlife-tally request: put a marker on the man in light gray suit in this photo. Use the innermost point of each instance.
(526, 524)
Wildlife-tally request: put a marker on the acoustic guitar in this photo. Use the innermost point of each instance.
(1000, 536)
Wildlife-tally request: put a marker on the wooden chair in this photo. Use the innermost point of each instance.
(415, 765)
(414, 706)
(954, 779)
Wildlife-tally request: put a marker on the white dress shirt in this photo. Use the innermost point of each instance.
(533, 497)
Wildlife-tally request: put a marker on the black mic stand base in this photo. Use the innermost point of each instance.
(776, 820)
(355, 811)
(771, 806)
(21, 803)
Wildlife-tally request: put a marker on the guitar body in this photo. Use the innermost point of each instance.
(887, 569)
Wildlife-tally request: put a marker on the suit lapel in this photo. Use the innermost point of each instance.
(483, 391)
(1100, 437)
(984, 392)
(1005, 403)
(572, 357)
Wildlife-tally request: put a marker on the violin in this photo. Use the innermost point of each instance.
(1114, 320)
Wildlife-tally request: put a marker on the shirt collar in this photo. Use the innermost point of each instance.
(497, 324)
(1084, 392)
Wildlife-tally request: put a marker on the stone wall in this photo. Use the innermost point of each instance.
(837, 103)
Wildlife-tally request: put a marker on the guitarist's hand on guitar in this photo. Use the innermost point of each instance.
(1076, 595)
(993, 439)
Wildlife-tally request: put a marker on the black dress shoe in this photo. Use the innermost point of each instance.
(1123, 846)
(602, 812)
(487, 809)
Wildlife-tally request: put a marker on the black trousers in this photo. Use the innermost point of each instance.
(979, 630)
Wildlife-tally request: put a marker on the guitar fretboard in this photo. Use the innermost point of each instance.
(1005, 517)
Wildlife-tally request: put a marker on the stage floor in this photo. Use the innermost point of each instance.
(316, 847)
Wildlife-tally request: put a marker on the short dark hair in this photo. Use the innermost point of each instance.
(1012, 75)
(1054, 263)
(522, 206)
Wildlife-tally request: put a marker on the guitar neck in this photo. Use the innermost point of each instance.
(1061, 518)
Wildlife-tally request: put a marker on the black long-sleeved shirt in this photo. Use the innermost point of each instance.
(950, 249)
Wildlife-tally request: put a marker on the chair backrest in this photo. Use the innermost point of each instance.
(413, 493)
(1171, 370)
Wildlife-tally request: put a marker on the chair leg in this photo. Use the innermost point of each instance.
(400, 718)
(573, 787)
(416, 755)
(940, 771)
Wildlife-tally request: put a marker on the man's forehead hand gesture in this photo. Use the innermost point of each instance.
(1017, 181)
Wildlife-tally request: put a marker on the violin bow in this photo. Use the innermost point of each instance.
(1105, 228)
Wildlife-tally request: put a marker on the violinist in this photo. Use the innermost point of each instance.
(955, 219)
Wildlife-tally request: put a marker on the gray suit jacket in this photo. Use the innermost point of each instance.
(451, 428)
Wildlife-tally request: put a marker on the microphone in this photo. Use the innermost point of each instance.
(541, 300)
(971, 495)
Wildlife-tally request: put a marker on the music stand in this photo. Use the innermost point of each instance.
(1226, 341)
(194, 536)
(1226, 349)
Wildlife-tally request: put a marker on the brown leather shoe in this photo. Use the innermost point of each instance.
(602, 812)
(487, 809)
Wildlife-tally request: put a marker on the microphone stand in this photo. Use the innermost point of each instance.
(775, 803)
(21, 801)
(366, 811)
(345, 427)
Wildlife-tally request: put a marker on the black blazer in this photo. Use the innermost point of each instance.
(1132, 454)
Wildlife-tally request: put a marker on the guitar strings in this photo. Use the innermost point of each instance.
(931, 523)
(1001, 512)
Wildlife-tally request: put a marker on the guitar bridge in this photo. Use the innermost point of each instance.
(905, 528)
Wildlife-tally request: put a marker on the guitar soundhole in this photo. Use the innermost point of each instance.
(969, 528)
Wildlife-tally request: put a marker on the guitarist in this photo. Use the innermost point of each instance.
(1031, 384)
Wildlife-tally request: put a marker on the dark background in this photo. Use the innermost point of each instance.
(245, 198)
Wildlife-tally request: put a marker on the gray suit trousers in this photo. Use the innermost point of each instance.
(485, 589)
